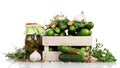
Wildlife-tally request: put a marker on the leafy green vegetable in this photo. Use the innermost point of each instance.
(103, 55)
(18, 54)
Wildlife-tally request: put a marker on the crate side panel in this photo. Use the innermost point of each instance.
(67, 40)
(51, 55)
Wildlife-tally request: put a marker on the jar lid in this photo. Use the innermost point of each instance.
(34, 28)
(31, 23)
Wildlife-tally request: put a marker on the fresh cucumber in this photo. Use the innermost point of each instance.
(66, 57)
(71, 50)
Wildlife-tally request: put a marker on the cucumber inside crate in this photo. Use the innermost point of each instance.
(55, 41)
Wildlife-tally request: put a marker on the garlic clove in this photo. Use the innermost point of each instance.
(35, 56)
(93, 59)
(79, 17)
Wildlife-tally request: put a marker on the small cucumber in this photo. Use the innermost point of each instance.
(71, 50)
(66, 57)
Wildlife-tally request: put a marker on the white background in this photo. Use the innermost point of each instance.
(15, 13)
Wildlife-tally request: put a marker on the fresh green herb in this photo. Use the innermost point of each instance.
(18, 54)
(103, 55)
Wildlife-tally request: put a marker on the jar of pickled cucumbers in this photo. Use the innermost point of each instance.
(33, 38)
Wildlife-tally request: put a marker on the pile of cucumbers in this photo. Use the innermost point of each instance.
(65, 27)
(62, 26)
(70, 54)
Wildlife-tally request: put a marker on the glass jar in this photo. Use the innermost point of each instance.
(33, 39)
(32, 43)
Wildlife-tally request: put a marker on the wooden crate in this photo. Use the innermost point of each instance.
(62, 40)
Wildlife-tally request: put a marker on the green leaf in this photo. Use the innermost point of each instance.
(103, 55)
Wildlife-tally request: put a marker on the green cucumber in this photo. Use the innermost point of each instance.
(71, 50)
(66, 57)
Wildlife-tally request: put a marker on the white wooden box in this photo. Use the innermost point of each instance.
(62, 40)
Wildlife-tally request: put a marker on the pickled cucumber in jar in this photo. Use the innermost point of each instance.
(33, 38)
(32, 43)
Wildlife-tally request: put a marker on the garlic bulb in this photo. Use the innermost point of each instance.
(79, 17)
(35, 56)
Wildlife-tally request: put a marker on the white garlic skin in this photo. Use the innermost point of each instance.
(78, 18)
(35, 57)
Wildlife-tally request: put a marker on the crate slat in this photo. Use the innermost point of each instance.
(51, 55)
(67, 40)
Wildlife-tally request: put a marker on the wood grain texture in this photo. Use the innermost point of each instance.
(51, 55)
(67, 40)
(62, 40)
